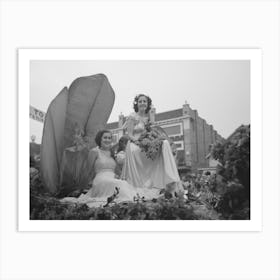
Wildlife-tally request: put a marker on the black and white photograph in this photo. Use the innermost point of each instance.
(140, 139)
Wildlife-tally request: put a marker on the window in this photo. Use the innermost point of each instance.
(179, 145)
(172, 130)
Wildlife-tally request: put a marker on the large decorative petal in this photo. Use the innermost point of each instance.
(52, 140)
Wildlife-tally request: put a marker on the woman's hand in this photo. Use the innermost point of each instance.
(132, 138)
(120, 158)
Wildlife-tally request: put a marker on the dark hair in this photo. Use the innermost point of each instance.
(135, 102)
(98, 138)
(99, 135)
(122, 143)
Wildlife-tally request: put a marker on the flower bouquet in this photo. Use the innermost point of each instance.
(80, 141)
(150, 141)
(120, 157)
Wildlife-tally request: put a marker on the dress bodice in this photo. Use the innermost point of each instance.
(139, 124)
(138, 129)
(104, 162)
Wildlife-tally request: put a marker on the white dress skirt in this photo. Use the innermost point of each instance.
(146, 175)
(149, 176)
(104, 184)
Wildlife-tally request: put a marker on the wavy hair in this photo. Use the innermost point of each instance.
(99, 135)
(98, 139)
(122, 143)
(135, 103)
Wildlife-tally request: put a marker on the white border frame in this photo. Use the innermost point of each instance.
(24, 58)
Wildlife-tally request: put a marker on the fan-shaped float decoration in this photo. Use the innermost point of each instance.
(52, 140)
(88, 107)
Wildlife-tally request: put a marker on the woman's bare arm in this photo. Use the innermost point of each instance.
(92, 156)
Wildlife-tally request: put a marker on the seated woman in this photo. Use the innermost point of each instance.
(105, 184)
(148, 176)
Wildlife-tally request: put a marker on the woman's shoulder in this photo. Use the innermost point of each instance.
(92, 156)
(132, 116)
(94, 151)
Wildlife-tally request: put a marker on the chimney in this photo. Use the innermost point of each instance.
(153, 114)
(186, 108)
(121, 120)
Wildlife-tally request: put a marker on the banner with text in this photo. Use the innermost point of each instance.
(36, 114)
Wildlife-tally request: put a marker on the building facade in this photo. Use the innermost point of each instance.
(191, 134)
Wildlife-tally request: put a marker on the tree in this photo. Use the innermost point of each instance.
(234, 169)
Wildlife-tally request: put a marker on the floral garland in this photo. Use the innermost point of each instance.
(80, 141)
(150, 142)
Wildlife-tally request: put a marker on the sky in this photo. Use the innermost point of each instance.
(218, 89)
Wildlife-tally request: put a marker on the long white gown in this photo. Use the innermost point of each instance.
(146, 175)
(104, 184)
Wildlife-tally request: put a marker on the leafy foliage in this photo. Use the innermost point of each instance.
(44, 206)
(233, 180)
(225, 195)
(150, 141)
(49, 208)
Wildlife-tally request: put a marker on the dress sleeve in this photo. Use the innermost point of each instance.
(130, 121)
